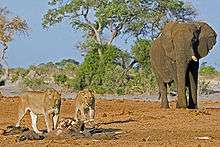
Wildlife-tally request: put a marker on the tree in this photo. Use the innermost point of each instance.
(102, 74)
(140, 51)
(64, 62)
(116, 17)
(8, 28)
(148, 25)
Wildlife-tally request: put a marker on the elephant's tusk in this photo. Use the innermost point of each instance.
(194, 58)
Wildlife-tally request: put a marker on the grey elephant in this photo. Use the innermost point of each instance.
(175, 58)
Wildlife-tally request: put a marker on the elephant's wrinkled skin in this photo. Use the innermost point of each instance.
(175, 58)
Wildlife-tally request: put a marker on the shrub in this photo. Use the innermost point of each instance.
(18, 72)
(140, 51)
(60, 79)
(102, 73)
(36, 83)
(208, 70)
(70, 83)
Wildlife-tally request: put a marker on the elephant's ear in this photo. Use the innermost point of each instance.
(207, 38)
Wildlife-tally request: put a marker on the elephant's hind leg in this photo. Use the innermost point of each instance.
(163, 95)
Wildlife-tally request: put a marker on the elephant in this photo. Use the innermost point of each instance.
(174, 57)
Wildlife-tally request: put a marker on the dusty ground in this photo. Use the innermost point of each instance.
(140, 123)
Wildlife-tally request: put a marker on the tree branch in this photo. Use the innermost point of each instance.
(128, 68)
(113, 32)
(131, 65)
(92, 26)
(99, 27)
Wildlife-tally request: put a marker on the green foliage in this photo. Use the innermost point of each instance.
(143, 79)
(1, 71)
(100, 73)
(36, 83)
(44, 69)
(70, 83)
(208, 70)
(140, 51)
(141, 82)
(66, 62)
(60, 79)
(39, 76)
(107, 74)
(18, 72)
(137, 17)
(70, 69)
(9, 26)
(149, 23)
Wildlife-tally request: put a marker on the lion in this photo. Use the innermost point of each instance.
(85, 104)
(40, 103)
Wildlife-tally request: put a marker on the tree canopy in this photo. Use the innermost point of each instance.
(8, 27)
(116, 17)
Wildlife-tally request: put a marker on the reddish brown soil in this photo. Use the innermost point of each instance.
(140, 123)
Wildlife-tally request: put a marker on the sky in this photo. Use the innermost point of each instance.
(60, 41)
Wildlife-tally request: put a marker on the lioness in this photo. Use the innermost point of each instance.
(85, 103)
(40, 103)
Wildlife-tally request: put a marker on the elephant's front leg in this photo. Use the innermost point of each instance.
(193, 84)
(181, 85)
(163, 95)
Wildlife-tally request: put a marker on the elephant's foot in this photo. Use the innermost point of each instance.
(192, 104)
(193, 107)
(181, 102)
(164, 104)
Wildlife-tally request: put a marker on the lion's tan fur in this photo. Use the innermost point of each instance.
(40, 103)
(85, 103)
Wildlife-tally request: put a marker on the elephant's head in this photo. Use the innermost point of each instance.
(206, 40)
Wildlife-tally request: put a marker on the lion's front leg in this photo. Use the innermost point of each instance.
(55, 120)
(48, 122)
(34, 122)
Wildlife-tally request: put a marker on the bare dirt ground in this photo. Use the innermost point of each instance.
(138, 122)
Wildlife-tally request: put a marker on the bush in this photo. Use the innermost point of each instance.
(102, 73)
(120, 90)
(140, 51)
(36, 83)
(141, 82)
(107, 73)
(99, 89)
(1, 71)
(18, 72)
(60, 79)
(208, 70)
(70, 83)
